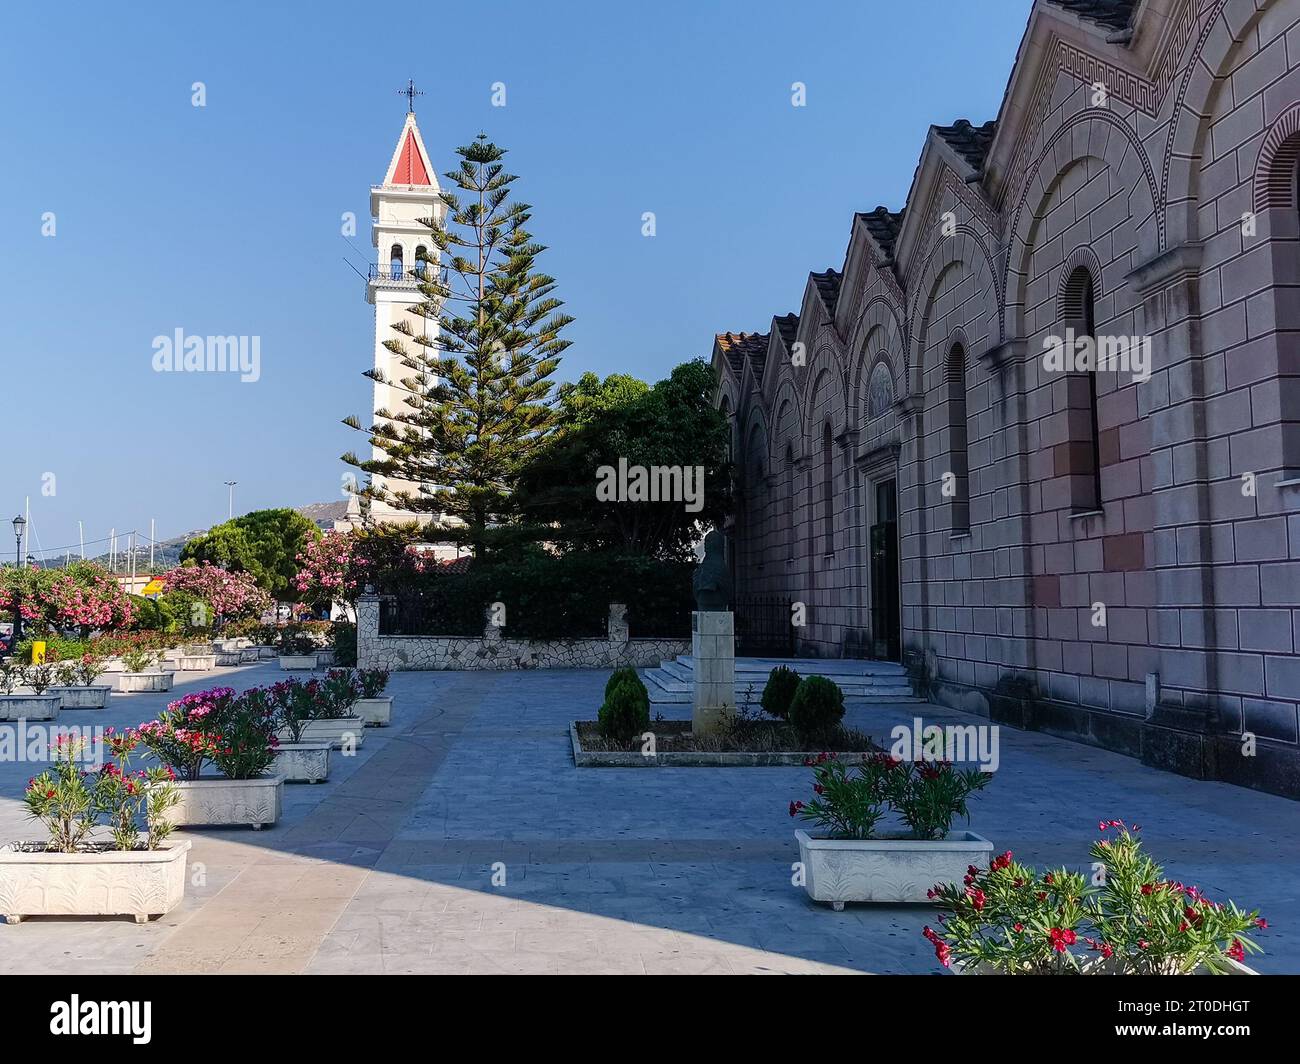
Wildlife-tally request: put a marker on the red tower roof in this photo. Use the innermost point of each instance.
(410, 168)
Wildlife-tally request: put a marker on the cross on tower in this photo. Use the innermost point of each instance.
(410, 92)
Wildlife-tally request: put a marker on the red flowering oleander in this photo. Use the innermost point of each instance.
(1131, 919)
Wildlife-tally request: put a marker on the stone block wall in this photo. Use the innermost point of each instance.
(493, 650)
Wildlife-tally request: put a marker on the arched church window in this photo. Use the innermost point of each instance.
(958, 453)
(828, 490)
(790, 500)
(1082, 460)
(421, 261)
(395, 262)
(880, 391)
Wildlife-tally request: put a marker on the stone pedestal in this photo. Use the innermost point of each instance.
(713, 646)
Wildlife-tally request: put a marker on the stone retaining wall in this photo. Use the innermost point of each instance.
(492, 650)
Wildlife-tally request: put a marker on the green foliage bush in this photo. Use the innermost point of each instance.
(817, 707)
(343, 638)
(779, 691)
(625, 711)
(624, 676)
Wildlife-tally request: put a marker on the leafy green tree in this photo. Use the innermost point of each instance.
(673, 424)
(477, 402)
(265, 544)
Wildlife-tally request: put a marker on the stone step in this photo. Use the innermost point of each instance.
(668, 687)
(812, 666)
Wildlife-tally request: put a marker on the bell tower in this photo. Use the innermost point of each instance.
(404, 256)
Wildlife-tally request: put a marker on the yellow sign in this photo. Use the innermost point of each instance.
(38, 653)
(153, 587)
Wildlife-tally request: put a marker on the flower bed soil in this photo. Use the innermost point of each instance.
(752, 744)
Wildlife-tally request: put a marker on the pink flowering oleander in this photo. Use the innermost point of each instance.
(229, 594)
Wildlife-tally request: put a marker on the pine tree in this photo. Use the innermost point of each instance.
(477, 402)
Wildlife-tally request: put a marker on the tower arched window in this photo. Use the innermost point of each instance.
(395, 262)
(421, 261)
(1082, 454)
(828, 490)
(958, 452)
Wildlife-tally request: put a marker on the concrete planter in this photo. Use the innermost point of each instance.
(886, 870)
(215, 800)
(376, 712)
(226, 658)
(266, 653)
(325, 659)
(139, 883)
(197, 662)
(92, 697)
(294, 662)
(336, 731)
(115, 665)
(144, 681)
(1098, 966)
(305, 762)
(29, 707)
(250, 655)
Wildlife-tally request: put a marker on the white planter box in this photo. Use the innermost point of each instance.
(227, 646)
(266, 653)
(293, 662)
(1098, 966)
(29, 707)
(114, 665)
(886, 870)
(336, 732)
(215, 800)
(250, 655)
(228, 657)
(376, 712)
(93, 697)
(304, 762)
(139, 883)
(144, 681)
(197, 662)
(325, 658)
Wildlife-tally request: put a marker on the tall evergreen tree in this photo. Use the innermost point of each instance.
(477, 402)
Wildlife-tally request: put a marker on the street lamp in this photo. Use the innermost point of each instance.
(230, 505)
(20, 526)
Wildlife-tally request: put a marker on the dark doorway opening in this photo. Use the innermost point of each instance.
(886, 623)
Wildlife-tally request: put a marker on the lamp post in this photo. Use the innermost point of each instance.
(20, 526)
(230, 505)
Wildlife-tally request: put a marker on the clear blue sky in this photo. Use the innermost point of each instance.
(225, 219)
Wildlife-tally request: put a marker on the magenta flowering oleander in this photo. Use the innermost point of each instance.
(232, 732)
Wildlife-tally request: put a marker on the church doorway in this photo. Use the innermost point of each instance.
(886, 624)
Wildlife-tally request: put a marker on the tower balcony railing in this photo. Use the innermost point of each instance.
(407, 276)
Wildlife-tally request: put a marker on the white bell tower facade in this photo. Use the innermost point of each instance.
(404, 256)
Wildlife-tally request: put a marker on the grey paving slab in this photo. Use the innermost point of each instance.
(463, 840)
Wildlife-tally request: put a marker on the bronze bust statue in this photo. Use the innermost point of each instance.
(712, 580)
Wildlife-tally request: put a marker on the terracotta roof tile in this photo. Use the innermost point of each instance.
(969, 141)
(739, 346)
(1113, 14)
(788, 327)
(884, 226)
(828, 287)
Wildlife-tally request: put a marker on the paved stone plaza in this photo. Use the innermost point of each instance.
(388, 866)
